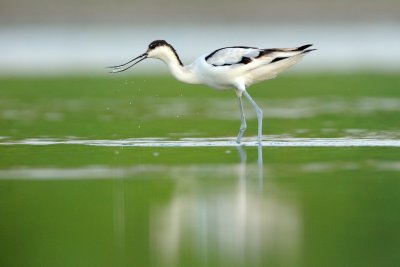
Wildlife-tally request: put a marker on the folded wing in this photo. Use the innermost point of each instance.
(243, 55)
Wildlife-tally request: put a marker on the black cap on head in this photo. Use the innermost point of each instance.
(157, 43)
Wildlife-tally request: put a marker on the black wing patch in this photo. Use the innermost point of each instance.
(278, 59)
(213, 53)
(244, 60)
(265, 52)
(303, 47)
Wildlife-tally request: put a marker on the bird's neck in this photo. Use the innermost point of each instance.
(178, 70)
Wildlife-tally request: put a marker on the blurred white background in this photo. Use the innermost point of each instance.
(46, 37)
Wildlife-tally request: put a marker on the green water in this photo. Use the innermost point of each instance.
(84, 205)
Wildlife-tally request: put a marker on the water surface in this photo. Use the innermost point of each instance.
(145, 172)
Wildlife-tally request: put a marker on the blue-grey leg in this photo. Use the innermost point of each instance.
(243, 125)
(259, 115)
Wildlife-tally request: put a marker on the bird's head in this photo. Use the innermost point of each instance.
(159, 49)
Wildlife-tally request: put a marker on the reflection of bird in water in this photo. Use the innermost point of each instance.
(229, 67)
(234, 221)
(243, 159)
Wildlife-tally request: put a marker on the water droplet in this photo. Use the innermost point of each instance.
(156, 154)
(228, 152)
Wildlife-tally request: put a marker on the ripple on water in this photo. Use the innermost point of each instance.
(268, 141)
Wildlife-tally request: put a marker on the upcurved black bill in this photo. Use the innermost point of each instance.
(121, 68)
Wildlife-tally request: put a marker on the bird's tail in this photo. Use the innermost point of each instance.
(304, 49)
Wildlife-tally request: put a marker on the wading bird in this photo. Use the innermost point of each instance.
(235, 67)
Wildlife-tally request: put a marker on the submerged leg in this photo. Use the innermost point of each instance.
(259, 115)
(243, 125)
